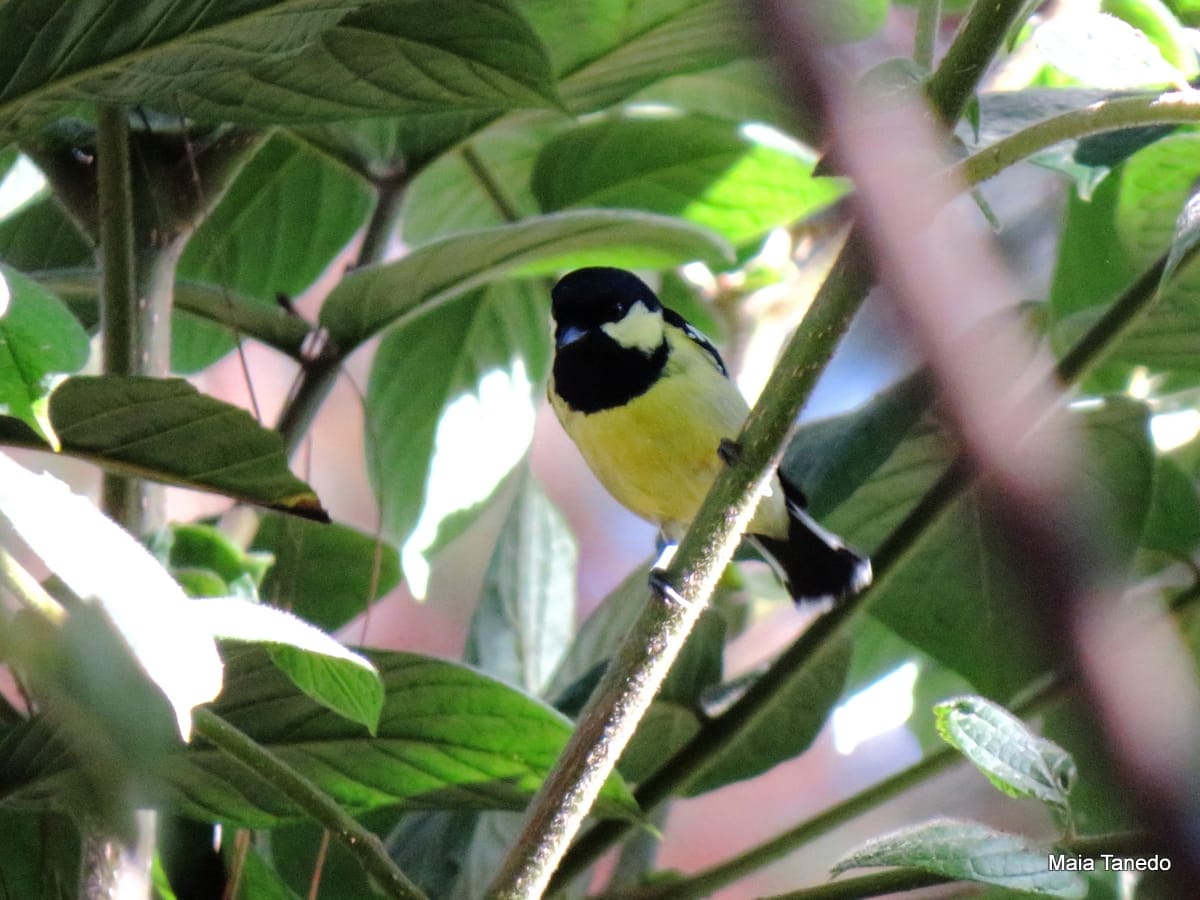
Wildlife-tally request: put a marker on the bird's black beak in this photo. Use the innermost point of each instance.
(568, 335)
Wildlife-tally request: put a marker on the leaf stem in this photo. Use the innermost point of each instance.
(504, 205)
(929, 20)
(1106, 115)
(360, 842)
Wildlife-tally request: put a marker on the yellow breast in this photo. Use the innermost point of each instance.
(657, 454)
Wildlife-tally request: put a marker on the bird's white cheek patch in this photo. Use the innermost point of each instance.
(640, 329)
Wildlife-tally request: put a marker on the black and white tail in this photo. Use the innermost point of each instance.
(814, 563)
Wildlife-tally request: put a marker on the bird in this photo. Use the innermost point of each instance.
(648, 401)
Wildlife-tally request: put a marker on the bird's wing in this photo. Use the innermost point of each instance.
(696, 336)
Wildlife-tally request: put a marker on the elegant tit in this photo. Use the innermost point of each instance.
(648, 402)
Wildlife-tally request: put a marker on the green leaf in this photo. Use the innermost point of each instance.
(326, 574)
(448, 195)
(437, 455)
(526, 614)
(138, 425)
(611, 49)
(276, 229)
(1173, 521)
(257, 879)
(828, 459)
(39, 856)
(448, 738)
(369, 299)
(783, 728)
(1134, 217)
(202, 547)
(1014, 759)
(316, 663)
(740, 91)
(270, 62)
(100, 562)
(39, 340)
(951, 596)
(967, 851)
(704, 170)
(41, 236)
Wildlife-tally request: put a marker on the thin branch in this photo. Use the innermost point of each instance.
(951, 87)
(320, 372)
(1106, 115)
(929, 20)
(364, 845)
(120, 322)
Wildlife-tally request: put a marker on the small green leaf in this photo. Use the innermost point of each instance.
(100, 562)
(202, 547)
(1013, 758)
(967, 851)
(40, 235)
(39, 339)
(368, 300)
(316, 663)
(137, 425)
(526, 614)
(850, 20)
(704, 170)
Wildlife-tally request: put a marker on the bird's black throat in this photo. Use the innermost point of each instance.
(596, 373)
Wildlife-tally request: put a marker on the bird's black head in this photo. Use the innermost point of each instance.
(610, 343)
(588, 298)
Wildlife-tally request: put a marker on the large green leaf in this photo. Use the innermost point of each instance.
(705, 170)
(436, 455)
(526, 614)
(39, 340)
(370, 299)
(448, 196)
(166, 430)
(448, 737)
(39, 856)
(951, 597)
(261, 61)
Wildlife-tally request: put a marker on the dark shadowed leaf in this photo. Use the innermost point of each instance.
(324, 573)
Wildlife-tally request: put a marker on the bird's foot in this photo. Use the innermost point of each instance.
(661, 585)
(730, 451)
